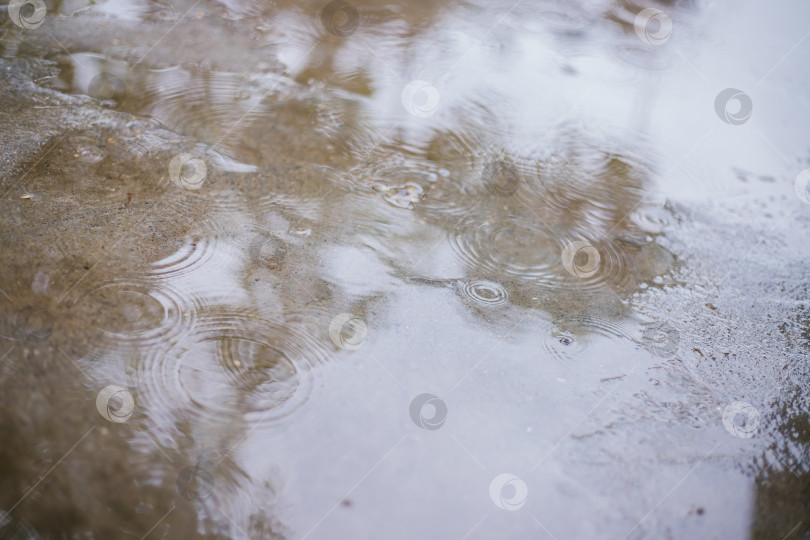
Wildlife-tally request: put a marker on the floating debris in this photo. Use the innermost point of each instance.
(126, 203)
(404, 196)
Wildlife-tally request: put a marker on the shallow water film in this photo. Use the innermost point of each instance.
(430, 269)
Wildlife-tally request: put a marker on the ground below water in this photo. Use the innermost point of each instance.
(404, 270)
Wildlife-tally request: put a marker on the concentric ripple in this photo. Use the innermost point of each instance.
(134, 310)
(478, 185)
(651, 216)
(485, 292)
(259, 244)
(574, 340)
(632, 50)
(586, 189)
(235, 367)
(390, 174)
(564, 348)
(204, 104)
(190, 257)
(508, 247)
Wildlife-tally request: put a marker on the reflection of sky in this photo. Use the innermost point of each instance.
(518, 83)
(128, 10)
(515, 83)
(731, 55)
(213, 278)
(519, 91)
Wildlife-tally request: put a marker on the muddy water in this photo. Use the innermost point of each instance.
(441, 270)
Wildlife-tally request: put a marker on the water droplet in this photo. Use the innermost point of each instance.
(485, 292)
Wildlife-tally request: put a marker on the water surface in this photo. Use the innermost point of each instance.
(401, 270)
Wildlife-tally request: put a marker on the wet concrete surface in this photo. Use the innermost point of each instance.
(457, 270)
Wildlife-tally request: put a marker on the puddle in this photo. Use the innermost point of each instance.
(443, 270)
